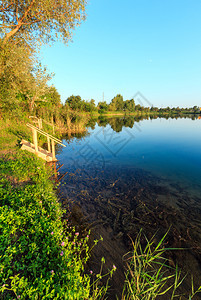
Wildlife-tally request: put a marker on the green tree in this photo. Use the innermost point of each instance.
(196, 109)
(20, 74)
(89, 106)
(93, 105)
(112, 106)
(103, 106)
(138, 107)
(129, 105)
(44, 20)
(52, 97)
(74, 102)
(117, 103)
(23, 26)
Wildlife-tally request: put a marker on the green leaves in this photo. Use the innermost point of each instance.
(40, 20)
(32, 238)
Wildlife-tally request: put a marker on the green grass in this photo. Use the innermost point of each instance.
(11, 133)
(149, 275)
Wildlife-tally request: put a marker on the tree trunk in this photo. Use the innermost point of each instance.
(19, 23)
(11, 33)
(31, 104)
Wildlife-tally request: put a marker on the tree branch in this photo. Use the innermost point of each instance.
(19, 23)
(2, 8)
(17, 12)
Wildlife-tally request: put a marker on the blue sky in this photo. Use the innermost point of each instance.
(151, 46)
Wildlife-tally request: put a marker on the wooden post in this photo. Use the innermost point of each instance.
(53, 151)
(53, 125)
(35, 139)
(48, 144)
(55, 171)
(40, 124)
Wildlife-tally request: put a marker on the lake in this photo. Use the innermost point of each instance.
(129, 174)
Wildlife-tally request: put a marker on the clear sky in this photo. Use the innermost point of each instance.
(151, 46)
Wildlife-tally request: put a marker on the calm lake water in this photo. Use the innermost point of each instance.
(167, 148)
(126, 175)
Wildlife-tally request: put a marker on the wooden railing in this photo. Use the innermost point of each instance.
(37, 120)
(50, 137)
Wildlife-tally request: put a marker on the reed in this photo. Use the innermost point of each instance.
(149, 275)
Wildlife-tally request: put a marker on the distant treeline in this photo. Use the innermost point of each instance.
(75, 113)
(118, 104)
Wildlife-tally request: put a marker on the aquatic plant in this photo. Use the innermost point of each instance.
(148, 273)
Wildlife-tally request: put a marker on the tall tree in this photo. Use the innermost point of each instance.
(41, 20)
(103, 106)
(74, 102)
(24, 25)
(53, 97)
(20, 74)
(117, 103)
(129, 105)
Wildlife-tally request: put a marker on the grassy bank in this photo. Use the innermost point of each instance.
(149, 113)
(40, 257)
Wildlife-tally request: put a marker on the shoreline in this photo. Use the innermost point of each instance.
(109, 233)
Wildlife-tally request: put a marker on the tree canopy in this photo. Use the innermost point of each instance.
(24, 25)
(76, 103)
(117, 103)
(20, 73)
(44, 20)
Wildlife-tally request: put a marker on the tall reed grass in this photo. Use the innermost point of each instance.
(149, 276)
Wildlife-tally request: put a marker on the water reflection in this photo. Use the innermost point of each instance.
(117, 123)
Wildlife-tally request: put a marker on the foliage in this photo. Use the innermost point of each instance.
(39, 20)
(23, 26)
(15, 65)
(40, 258)
(90, 106)
(102, 106)
(117, 103)
(37, 256)
(12, 132)
(77, 104)
(52, 97)
(129, 105)
(74, 102)
(22, 80)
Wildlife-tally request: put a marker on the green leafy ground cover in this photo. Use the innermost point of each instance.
(38, 258)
